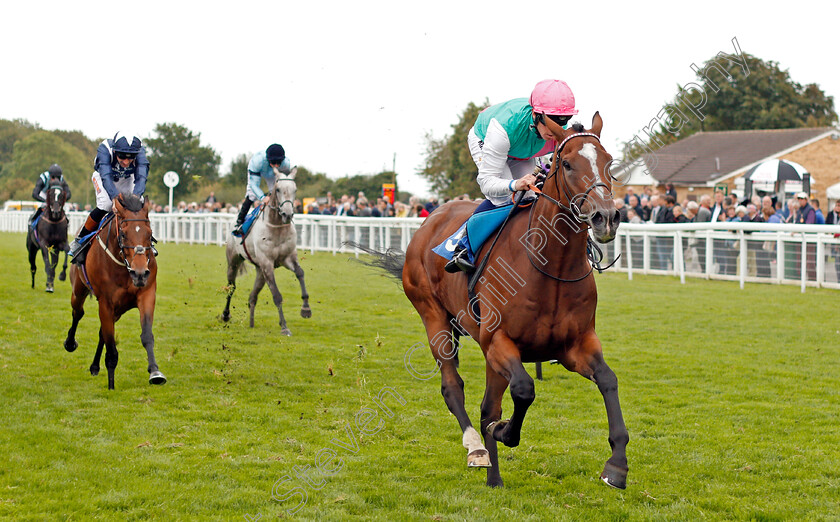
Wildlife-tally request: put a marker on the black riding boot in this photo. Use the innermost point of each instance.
(243, 212)
(460, 261)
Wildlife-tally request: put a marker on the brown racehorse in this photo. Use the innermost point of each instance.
(535, 300)
(120, 270)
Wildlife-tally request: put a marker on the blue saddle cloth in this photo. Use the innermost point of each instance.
(474, 232)
(249, 220)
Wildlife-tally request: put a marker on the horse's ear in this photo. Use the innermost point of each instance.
(597, 124)
(293, 173)
(117, 203)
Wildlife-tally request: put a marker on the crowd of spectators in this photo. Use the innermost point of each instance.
(652, 207)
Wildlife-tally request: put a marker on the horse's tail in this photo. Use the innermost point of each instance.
(392, 260)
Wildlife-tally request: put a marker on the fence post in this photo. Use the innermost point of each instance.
(804, 263)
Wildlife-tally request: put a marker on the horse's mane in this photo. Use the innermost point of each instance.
(131, 202)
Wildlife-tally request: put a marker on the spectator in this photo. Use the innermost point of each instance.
(717, 207)
(364, 209)
(770, 215)
(833, 218)
(630, 194)
(691, 209)
(313, 208)
(632, 216)
(671, 191)
(376, 210)
(819, 218)
(679, 217)
(704, 211)
(646, 208)
(622, 210)
(635, 205)
(806, 213)
(211, 198)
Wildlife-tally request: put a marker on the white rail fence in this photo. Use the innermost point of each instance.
(804, 255)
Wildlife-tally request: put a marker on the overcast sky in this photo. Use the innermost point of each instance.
(344, 86)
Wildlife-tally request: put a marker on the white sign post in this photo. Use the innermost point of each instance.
(171, 179)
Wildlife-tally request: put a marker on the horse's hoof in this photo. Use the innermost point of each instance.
(94, 370)
(50, 290)
(70, 347)
(286, 332)
(495, 482)
(306, 312)
(225, 316)
(479, 458)
(62, 276)
(156, 378)
(614, 476)
(496, 429)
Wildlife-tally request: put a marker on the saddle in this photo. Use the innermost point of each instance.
(476, 230)
(249, 221)
(86, 241)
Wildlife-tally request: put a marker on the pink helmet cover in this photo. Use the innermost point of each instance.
(553, 97)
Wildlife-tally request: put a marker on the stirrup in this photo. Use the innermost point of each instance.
(459, 263)
(75, 248)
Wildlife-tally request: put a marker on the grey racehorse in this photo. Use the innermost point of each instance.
(269, 244)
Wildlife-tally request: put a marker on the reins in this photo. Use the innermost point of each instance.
(594, 254)
(138, 249)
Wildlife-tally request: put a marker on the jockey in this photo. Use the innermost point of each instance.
(261, 167)
(120, 166)
(503, 138)
(51, 176)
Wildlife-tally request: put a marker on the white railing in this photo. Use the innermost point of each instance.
(805, 255)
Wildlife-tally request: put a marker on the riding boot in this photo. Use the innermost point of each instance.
(460, 261)
(243, 212)
(91, 224)
(35, 214)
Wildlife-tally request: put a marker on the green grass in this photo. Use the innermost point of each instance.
(731, 398)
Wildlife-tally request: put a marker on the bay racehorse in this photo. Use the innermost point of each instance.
(120, 270)
(535, 300)
(49, 236)
(269, 243)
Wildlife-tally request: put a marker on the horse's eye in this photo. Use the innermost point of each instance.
(566, 165)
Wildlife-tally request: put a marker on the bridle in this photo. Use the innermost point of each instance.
(57, 216)
(593, 251)
(277, 207)
(137, 249)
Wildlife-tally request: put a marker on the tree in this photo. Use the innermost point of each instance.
(178, 149)
(758, 96)
(35, 153)
(238, 174)
(449, 165)
(10, 132)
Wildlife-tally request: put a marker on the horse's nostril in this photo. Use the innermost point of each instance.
(146, 274)
(616, 217)
(597, 219)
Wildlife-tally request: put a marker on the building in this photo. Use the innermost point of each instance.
(704, 160)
